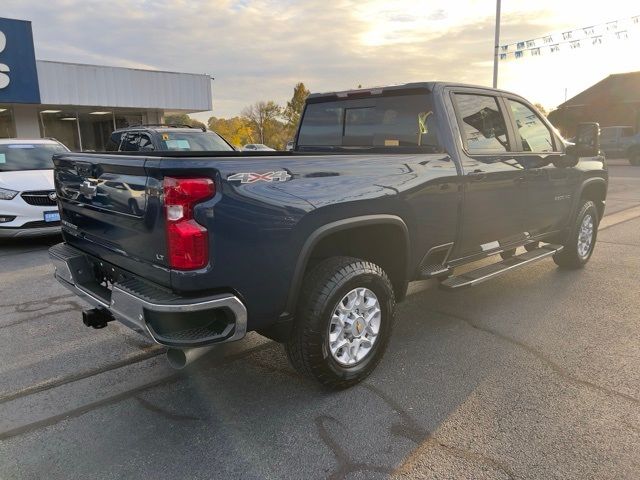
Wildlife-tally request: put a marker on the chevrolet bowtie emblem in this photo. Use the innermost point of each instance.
(88, 188)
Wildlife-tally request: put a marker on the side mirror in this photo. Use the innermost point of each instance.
(587, 140)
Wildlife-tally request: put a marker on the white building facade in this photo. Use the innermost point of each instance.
(80, 105)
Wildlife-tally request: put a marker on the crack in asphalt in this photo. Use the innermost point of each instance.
(49, 301)
(153, 351)
(147, 405)
(410, 429)
(346, 465)
(564, 373)
(37, 317)
(77, 412)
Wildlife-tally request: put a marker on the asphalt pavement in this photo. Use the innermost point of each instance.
(535, 374)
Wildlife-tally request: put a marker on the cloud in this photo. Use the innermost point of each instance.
(258, 49)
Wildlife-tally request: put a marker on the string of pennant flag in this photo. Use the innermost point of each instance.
(593, 35)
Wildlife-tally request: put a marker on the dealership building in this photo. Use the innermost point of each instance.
(80, 105)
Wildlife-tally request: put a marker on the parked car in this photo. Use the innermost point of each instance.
(257, 147)
(28, 204)
(617, 142)
(166, 138)
(314, 247)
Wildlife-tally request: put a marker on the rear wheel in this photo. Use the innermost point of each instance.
(343, 322)
(529, 247)
(582, 240)
(507, 254)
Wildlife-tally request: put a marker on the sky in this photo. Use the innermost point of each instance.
(259, 49)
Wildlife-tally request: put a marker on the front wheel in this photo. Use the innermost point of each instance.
(582, 240)
(343, 322)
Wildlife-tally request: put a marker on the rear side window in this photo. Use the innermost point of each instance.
(383, 122)
(130, 142)
(114, 142)
(534, 135)
(482, 123)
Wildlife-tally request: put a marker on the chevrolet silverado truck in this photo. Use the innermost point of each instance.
(314, 247)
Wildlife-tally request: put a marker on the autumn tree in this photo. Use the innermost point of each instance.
(293, 110)
(183, 119)
(236, 130)
(263, 117)
(541, 109)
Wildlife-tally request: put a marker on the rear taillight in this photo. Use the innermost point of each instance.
(187, 240)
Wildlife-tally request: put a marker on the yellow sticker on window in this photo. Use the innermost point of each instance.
(392, 143)
(165, 136)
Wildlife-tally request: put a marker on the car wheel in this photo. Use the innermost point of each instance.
(582, 240)
(529, 247)
(634, 159)
(343, 322)
(507, 254)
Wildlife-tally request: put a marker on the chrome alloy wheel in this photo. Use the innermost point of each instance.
(585, 236)
(354, 326)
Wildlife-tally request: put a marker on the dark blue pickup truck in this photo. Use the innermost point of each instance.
(314, 247)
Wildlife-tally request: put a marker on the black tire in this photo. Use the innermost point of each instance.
(532, 246)
(507, 254)
(323, 288)
(570, 257)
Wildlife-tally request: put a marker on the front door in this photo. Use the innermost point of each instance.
(494, 190)
(549, 184)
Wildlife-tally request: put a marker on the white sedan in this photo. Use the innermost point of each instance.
(28, 205)
(257, 147)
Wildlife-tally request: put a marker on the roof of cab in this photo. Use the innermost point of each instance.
(414, 87)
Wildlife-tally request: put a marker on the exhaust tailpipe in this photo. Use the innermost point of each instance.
(179, 358)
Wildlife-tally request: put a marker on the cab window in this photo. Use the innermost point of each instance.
(535, 137)
(483, 125)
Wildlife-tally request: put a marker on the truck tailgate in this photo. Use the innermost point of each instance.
(110, 208)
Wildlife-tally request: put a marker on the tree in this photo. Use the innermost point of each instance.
(294, 107)
(236, 130)
(183, 119)
(263, 119)
(541, 109)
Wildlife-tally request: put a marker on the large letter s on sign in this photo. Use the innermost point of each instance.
(4, 69)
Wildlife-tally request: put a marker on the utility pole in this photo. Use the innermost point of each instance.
(496, 53)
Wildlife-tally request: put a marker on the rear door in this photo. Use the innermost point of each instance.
(549, 185)
(494, 193)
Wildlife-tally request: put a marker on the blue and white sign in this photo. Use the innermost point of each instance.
(18, 74)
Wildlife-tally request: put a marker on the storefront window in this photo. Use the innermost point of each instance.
(62, 126)
(130, 119)
(7, 126)
(96, 128)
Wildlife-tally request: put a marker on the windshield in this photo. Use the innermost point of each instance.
(28, 156)
(193, 142)
(400, 121)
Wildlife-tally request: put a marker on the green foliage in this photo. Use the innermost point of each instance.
(294, 107)
(182, 119)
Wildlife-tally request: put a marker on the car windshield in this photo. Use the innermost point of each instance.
(28, 156)
(193, 142)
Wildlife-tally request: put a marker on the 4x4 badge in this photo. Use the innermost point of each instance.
(251, 177)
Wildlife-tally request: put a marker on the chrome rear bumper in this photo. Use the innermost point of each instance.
(143, 307)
